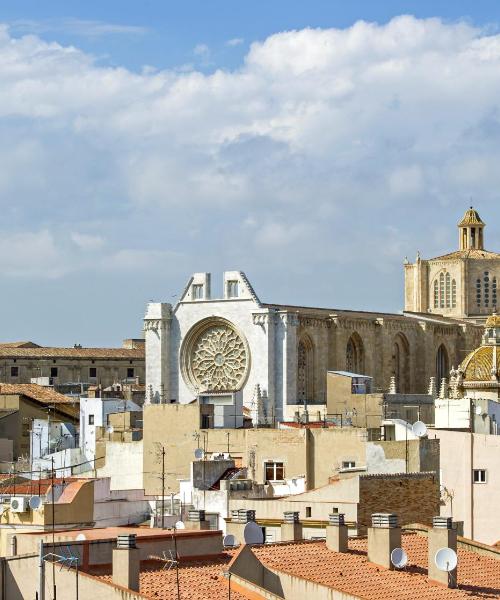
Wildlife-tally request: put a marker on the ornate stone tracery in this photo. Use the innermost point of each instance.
(215, 357)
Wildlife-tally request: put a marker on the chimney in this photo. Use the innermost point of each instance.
(442, 535)
(336, 533)
(197, 521)
(291, 528)
(126, 562)
(383, 536)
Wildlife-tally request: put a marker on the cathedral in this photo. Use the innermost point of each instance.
(243, 355)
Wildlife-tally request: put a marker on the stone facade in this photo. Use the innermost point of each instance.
(271, 358)
(462, 284)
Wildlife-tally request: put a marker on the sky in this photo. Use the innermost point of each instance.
(312, 145)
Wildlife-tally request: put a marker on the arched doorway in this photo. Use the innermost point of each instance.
(305, 369)
(442, 364)
(355, 355)
(401, 363)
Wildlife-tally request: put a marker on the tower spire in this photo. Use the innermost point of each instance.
(471, 229)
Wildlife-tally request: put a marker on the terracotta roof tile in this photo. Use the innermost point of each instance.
(8, 351)
(470, 253)
(478, 576)
(198, 579)
(36, 392)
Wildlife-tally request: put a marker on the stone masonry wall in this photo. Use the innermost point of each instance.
(413, 497)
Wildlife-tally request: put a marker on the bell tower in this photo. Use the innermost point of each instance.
(471, 231)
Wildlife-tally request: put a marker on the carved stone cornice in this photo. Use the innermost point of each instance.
(154, 324)
(305, 321)
(260, 318)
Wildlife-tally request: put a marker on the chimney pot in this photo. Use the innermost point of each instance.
(336, 519)
(383, 537)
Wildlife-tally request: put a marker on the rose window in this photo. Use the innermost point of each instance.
(217, 359)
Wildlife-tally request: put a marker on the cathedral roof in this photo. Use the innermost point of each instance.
(471, 217)
(473, 253)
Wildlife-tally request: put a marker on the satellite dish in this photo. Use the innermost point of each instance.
(446, 559)
(399, 558)
(180, 525)
(35, 502)
(479, 410)
(198, 453)
(110, 429)
(419, 429)
(229, 541)
(253, 534)
(80, 537)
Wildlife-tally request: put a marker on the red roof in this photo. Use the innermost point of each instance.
(351, 573)
(198, 579)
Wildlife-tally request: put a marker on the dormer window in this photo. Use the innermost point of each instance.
(232, 289)
(197, 290)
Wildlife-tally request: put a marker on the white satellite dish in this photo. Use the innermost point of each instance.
(198, 453)
(479, 410)
(399, 558)
(419, 429)
(35, 502)
(446, 559)
(80, 537)
(180, 525)
(229, 541)
(253, 534)
(110, 429)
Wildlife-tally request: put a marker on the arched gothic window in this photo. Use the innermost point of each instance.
(445, 291)
(401, 363)
(355, 358)
(442, 364)
(305, 369)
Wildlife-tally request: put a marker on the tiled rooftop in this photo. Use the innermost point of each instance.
(9, 351)
(198, 579)
(41, 394)
(478, 575)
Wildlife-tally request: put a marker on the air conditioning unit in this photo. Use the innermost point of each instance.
(19, 504)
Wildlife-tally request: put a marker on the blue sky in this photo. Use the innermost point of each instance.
(141, 142)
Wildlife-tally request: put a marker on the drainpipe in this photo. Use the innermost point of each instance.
(41, 581)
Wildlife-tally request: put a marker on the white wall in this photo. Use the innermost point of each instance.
(124, 465)
(473, 503)
(99, 409)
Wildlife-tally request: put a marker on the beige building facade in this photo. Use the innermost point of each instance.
(462, 284)
(20, 362)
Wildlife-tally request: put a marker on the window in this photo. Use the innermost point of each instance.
(494, 292)
(232, 289)
(92, 372)
(308, 511)
(479, 475)
(130, 373)
(348, 464)
(274, 471)
(14, 371)
(53, 371)
(91, 419)
(197, 291)
(445, 291)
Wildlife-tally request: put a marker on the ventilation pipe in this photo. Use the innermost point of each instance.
(336, 533)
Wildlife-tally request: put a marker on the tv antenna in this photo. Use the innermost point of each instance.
(253, 534)
(399, 558)
(419, 429)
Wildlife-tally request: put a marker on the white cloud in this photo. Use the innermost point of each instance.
(324, 136)
(72, 26)
(235, 42)
(31, 255)
(86, 241)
